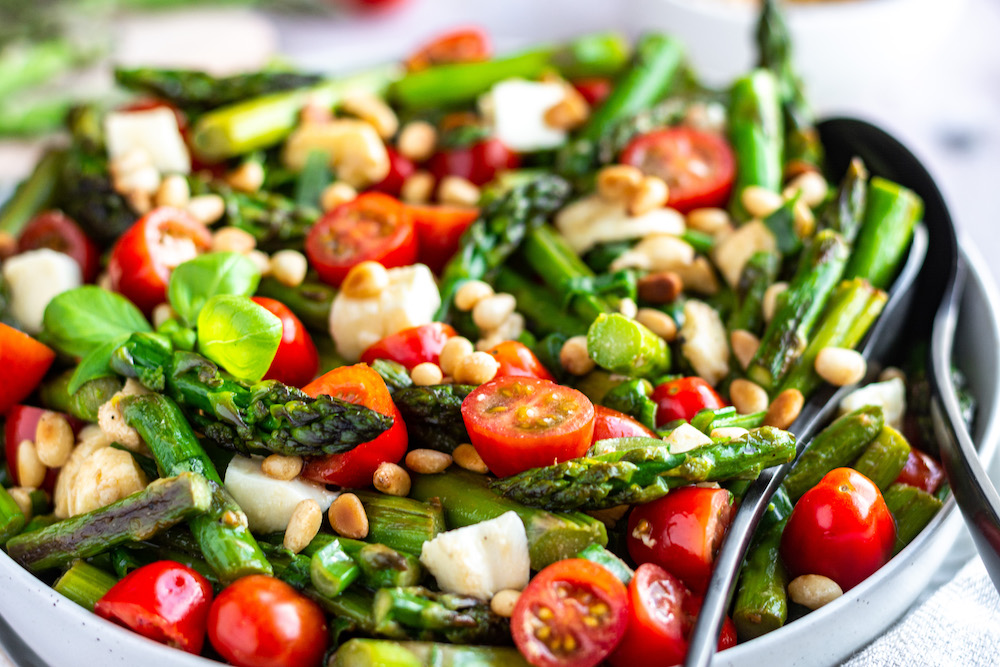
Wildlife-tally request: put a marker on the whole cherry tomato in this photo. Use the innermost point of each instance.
(260, 621)
(296, 362)
(439, 231)
(921, 471)
(610, 423)
(165, 601)
(412, 346)
(24, 362)
(400, 169)
(478, 163)
(683, 399)
(56, 231)
(593, 89)
(462, 45)
(517, 359)
(840, 528)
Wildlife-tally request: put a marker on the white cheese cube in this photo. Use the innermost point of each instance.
(518, 107)
(35, 278)
(684, 438)
(592, 220)
(889, 395)
(154, 132)
(268, 502)
(705, 341)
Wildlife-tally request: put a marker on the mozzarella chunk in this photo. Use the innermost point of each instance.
(410, 299)
(35, 278)
(657, 252)
(705, 344)
(480, 559)
(268, 502)
(684, 438)
(733, 251)
(517, 109)
(154, 132)
(593, 219)
(889, 395)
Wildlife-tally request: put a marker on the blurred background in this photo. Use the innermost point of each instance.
(928, 71)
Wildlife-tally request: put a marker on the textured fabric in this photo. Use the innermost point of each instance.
(958, 625)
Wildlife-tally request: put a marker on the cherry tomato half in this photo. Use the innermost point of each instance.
(698, 166)
(439, 231)
(921, 471)
(165, 601)
(56, 231)
(517, 423)
(840, 528)
(681, 532)
(144, 256)
(412, 346)
(572, 614)
(516, 359)
(24, 362)
(610, 423)
(360, 385)
(374, 226)
(683, 399)
(260, 621)
(464, 45)
(593, 89)
(478, 163)
(296, 362)
(400, 169)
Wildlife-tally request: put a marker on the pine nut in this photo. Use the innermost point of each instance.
(418, 188)
(813, 590)
(574, 356)
(306, 519)
(784, 409)
(454, 351)
(233, 239)
(509, 329)
(162, 313)
(289, 267)
(651, 194)
(144, 179)
(744, 346)
(248, 177)
(470, 293)
(759, 201)
(618, 182)
(173, 191)
(206, 209)
(660, 287)
(769, 304)
(477, 368)
(803, 221)
(285, 468)
(568, 113)
(891, 373)
(129, 161)
(811, 184)
(335, 194)
(628, 308)
(426, 374)
(708, 220)
(728, 433)
(503, 602)
(347, 517)
(53, 439)
(375, 111)
(467, 457)
(365, 280)
(458, 191)
(417, 140)
(658, 322)
(139, 201)
(490, 312)
(427, 461)
(747, 397)
(391, 479)
(840, 366)
(261, 261)
(30, 470)
(22, 496)
(8, 246)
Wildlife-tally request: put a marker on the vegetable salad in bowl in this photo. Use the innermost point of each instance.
(467, 360)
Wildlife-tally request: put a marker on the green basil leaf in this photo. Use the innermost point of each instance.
(196, 281)
(239, 335)
(82, 319)
(96, 364)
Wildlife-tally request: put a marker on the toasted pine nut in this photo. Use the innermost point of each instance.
(509, 329)
(347, 517)
(811, 184)
(470, 293)
(391, 479)
(477, 368)
(233, 239)
(53, 439)
(417, 140)
(248, 177)
(139, 201)
(335, 194)
(651, 194)
(30, 470)
(759, 201)
(784, 409)
(144, 179)
(502, 603)
(427, 461)
(769, 304)
(574, 356)
(261, 261)
(467, 457)
(748, 397)
(568, 113)
(840, 366)
(728, 433)
(285, 468)
(813, 590)
(891, 373)
(658, 322)
(491, 311)
(375, 111)
(289, 267)
(173, 191)
(458, 191)
(744, 346)
(22, 496)
(660, 287)
(306, 519)
(708, 220)
(426, 374)
(454, 351)
(418, 188)
(365, 280)
(161, 313)
(618, 182)
(804, 221)
(206, 209)
(628, 308)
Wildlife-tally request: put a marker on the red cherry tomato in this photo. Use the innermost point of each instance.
(921, 471)
(683, 399)
(400, 169)
(53, 230)
(572, 614)
(478, 163)
(372, 6)
(681, 532)
(610, 423)
(593, 89)
(517, 423)
(374, 226)
(260, 621)
(412, 346)
(360, 385)
(165, 601)
(464, 45)
(24, 362)
(516, 359)
(144, 256)
(840, 528)
(439, 231)
(296, 362)
(698, 166)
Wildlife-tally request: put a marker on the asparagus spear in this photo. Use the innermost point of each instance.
(331, 570)
(845, 212)
(758, 274)
(756, 131)
(761, 599)
(626, 347)
(84, 584)
(162, 504)
(535, 303)
(632, 398)
(891, 213)
(609, 561)
(422, 614)
(403, 524)
(12, 519)
(707, 421)
(913, 509)
(884, 458)
(643, 474)
(381, 566)
(33, 195)
(394, 374)
(310, 301)
(384, 653)
(87, 400)
(433, 415)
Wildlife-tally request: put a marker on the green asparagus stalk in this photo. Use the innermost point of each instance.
(394, 374)
(332, 570)
(632, 397)
(84, 584)
(884, 458)
(756, 131)
(761, 598)
(535, 303)
(424, 614)
(626, 347)
(433, 415)
(707, 421)
(26, 63)
(12, 519)
(381, 566)
(87, 400)
(595, 553)
(353, 610)
(310, 301)
(403, 524)
(759, 273)
(891, 213)
(385, 653)
(913, 509)
(845, 212)
(33, 195)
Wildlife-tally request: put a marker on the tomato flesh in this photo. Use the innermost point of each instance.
(593, 89)
(921, 471)
(517, 423)
(478, 163)
(463, 45)
(24, 362)
(439, 231)
(297, 361)
(683, 399)
(516, 359)
(412, 346)
(400, 169)
(56, 231)
(610, 423)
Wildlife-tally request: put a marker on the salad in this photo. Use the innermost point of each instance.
(467, 360)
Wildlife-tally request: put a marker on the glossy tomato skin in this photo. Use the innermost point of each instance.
(373, 226)
(478, 163)
(296, 362)
(921, 471)
(516, 359)
(586, 602)
(24, 362)
(412, 346)
(439, 231)
(400, 169)
(54, 230)
(593, 89)
(698, 166)
(681, 532)
(360, 385)
(541, 423)
(840, 528)
(683, 399)
(165, 601)
(141, 262)
(462, 45)
(610, 423)
(260, 621)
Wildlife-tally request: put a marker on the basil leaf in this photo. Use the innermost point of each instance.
(239, 335)
(196, 281)
(96, 364)
(82, 319)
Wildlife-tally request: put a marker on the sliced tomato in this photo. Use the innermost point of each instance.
(373, 226)
(478, 163)
(683, 399)
(572, 614)
(360, 385)
(144, 256)
(593, 89)
(516, 359)
(921, 471)
(610, 423)
(400, 169)
(296, 362)
(412, 346)
(698, 166)
(24, 362)
(517, 423)
(463, 45)
(439, 232)
(56, 231)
